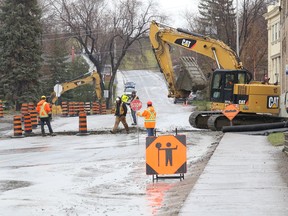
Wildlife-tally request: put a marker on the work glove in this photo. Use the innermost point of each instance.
(50, 116)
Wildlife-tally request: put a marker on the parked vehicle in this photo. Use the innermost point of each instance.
(128, 91)
(130, 85)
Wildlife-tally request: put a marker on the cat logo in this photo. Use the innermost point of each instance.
(272, 102)
(187, 43)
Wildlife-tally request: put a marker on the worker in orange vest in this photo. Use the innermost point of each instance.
(149, 115)
(44, 111)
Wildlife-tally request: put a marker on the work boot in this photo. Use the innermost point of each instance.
(43, 135)
(112, 132)
(52, 134)
(133, 124)
(127, 132)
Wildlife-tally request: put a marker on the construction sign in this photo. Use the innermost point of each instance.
(166, 155)
(230, 111)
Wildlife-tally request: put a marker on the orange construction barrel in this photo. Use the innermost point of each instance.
(82, 124)
(17, 126)
(34, 118)
(64, 105)
(27, 124)
(1, 109)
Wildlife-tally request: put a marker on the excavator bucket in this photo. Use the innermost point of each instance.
(189, 76)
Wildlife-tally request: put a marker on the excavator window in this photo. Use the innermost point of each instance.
(223, 84)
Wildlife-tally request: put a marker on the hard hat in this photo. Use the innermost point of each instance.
(43, 97)
(149, 103)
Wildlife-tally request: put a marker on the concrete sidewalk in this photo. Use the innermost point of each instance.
(241, 178)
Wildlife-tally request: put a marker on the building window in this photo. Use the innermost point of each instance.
(275, 32)
(275, 68)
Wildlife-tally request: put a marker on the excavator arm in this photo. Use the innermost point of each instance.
(92, 78)
(163, 36)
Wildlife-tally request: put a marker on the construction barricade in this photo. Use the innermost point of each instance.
(103, 109)
(76, 108)
(27, 124)
(82, 124)
(34, 118)
(71, 111)
(81, 107)
(31, 106)
(95, 108)
(64, 105)
(1, 109)
(87, 108)
(17, 127)
(24, 109)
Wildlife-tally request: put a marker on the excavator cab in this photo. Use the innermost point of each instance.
(222, 85)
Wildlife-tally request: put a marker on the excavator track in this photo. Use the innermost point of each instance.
(216, 120)
(198, 119)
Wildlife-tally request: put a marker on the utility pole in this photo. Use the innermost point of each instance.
(237, 28)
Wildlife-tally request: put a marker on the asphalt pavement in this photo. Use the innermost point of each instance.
(241, 178)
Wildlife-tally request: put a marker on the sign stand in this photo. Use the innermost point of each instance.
(137, 127)
(156, 177)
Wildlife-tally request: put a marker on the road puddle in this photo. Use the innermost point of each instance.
(156, 193)
(6, 185)
(23, 150)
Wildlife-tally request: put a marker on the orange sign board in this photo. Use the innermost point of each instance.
(230, 111)
(166, 155)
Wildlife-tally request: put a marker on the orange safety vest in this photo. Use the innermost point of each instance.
(43, 109)
(150, 117)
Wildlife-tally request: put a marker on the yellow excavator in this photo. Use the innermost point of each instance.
(92, 78)
(257, 102)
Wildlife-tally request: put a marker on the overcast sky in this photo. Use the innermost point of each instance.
(177, 8)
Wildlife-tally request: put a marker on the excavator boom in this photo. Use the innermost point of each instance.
(189, 77)
(161, 35)
(91, 78)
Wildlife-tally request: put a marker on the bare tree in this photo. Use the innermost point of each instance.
(105, 34)
(253, 35)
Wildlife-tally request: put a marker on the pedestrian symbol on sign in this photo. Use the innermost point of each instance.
(166, 155)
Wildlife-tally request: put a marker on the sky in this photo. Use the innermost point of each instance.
(177, 9)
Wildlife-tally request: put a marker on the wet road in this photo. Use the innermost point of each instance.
(101, 174)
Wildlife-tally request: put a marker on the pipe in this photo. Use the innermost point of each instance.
(254, 127)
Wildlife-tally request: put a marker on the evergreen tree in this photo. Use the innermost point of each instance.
(20, 50)
(217, 19)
